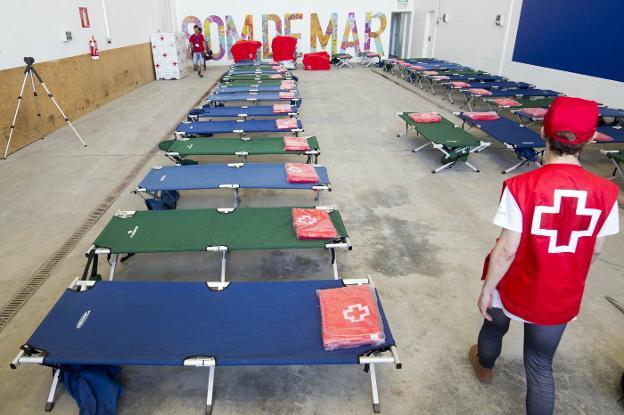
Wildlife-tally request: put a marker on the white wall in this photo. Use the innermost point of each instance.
(472, 38)
(238, 9)
(35, 27)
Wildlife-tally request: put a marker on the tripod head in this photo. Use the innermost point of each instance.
(29, 60)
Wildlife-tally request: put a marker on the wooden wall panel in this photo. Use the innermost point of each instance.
(79, 84)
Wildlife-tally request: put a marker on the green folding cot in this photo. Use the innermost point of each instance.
(617, 158)
(178, 150)
(524, 103)
(207, 230)
(451, 140)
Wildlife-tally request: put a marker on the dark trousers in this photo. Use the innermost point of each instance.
(540, 344)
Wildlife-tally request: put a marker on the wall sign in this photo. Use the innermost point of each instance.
(84, 17)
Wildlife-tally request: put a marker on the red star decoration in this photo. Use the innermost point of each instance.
(164, 54)
(162, 37)
(157, 65)
(175, 63)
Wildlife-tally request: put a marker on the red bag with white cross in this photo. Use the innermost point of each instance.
(296, 144)
(350, 317)
(313, 224)
(301, 173)
(286, 123)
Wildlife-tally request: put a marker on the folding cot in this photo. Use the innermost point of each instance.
(446, 76)
(196, 324)
(252, 64)
(256, 71)
(240, 127)
(451, 87)
(471, 97)
(178, 150)
(453, 142)
(415, 72)
(255, 97)
(208, 230)
(250, 82)
(522, 103)
(606, 112)
(614, 132)
(617, 158)
(258, 77)
(227, 89)
(603, 113)
(241, 112)
(234, 176)
(368, 58)
(435, 80)
(342, 59)
(520, 139)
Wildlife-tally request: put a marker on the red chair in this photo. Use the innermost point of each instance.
(245, 50)
(318, 61)
(284, 48)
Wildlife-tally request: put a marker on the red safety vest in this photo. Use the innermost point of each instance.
(563, 208)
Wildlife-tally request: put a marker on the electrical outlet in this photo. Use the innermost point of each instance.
(67, 36)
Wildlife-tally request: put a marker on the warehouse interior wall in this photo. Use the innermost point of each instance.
(470, 36)
(79, 83)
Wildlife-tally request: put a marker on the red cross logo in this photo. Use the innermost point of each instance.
(306, 220)
(568, 220)
(356, 313)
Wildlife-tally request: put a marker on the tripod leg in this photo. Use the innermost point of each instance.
(58, 107)
(19, 102)
(37, 109)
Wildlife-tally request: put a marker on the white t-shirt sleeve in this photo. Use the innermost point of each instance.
(612, 224)
(508, 215)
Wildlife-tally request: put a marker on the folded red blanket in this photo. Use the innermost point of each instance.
(482, 116)
(602, 137)
(417, 67)
(281, 108)
(480, 91)
(430, 73)
(275, 76)
(313, 224)
(425, 117)
(350, 317)
(535, 112)
(286, 123)
(296, 144)
(288, 84)
(301, 173)
(458, 84)
(507, 102)
(440, 78)
(287, 95)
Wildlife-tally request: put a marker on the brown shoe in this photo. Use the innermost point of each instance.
(483, 374)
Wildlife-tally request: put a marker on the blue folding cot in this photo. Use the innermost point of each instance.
(255, 71)
(485, 85)
(255, 97)
(234, 176)
(433, 81)
(243, 112)
(616, 132)
(196, 324)
(240, 127)
(471, 97)
(520, 139)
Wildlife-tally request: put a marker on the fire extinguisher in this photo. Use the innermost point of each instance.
(94, 48)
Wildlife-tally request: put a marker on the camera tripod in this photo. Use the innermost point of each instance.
(31, 72)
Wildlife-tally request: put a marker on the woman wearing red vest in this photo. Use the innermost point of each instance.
(554, 221)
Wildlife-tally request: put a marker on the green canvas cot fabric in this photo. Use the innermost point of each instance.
(443, 132)
(619, 157)
(195, 229)
(202, 146)
(530, 103)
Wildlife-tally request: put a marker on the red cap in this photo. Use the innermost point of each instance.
(571, 120)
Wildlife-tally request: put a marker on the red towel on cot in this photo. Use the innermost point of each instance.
(296, 144)
(275, 76)
(313, 224)
(281, 108)
(440, 78)
(301, 173)
(286, 95)
(417, 67)
(288, 84)
(350, 317)
(507, 102)
(425, 117)
(480, 91)
(482, 116)
(601, 137)
(286, 123)
(535, 112)
(459, 84)
(427, 73)
(279, 68)
(404, 64)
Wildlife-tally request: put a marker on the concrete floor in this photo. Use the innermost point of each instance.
(421, 237)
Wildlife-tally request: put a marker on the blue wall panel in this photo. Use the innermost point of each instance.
(581, 36)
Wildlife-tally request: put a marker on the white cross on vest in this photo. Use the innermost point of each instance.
(575, 229)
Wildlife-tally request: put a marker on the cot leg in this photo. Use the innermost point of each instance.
(405, 132)
(55, 380)
(450, 96)
(417, 149)
(375, 392)
(472, 167)
(445, 166)
(114, 259)
(223, 265)
(210, 390)
(515, 166)
(317, 198)
(236, 198)
(335, 264)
